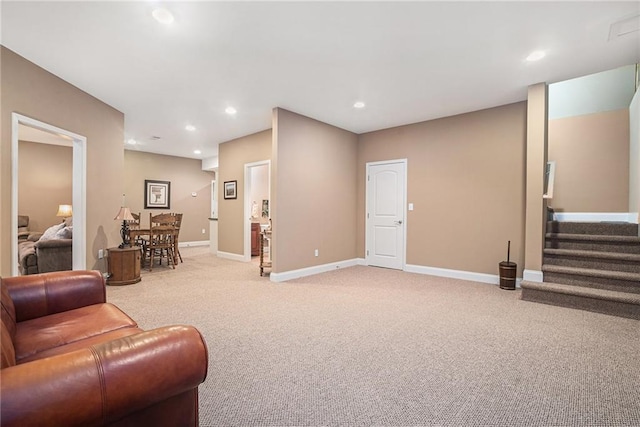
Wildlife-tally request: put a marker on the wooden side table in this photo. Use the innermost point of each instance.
(124, 265)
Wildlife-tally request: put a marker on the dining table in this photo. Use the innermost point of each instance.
(137, 233)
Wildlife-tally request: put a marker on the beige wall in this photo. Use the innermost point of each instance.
(233, 155)
(535, 172)
(44, 182)
(186, 177)
(31, 91)
(592, 162)
(466, 181)
(634, 154)
(315, 192)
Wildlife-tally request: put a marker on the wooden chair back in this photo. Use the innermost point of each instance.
(162, 231)
(135, 224)
(176, 249)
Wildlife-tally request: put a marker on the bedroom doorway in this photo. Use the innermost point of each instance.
(257, 187)
(78, 198)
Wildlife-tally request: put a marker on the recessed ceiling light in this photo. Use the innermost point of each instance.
(230, 110)
(536, 55)
(359, 104)
(163, 16)
(190, 128)
(197, 151)
(131, 141)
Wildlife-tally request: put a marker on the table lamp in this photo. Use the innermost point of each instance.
(64, 211)
(124, 214)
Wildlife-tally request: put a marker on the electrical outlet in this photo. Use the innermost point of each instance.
(100, 253)
(203, 231)
(316, 252)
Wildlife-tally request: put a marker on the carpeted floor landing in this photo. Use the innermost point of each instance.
(373, 347)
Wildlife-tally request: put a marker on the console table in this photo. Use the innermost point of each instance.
(124, 265)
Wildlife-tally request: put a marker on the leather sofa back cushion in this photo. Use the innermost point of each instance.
(8, 317)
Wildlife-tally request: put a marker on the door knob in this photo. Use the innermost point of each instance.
(398, 222)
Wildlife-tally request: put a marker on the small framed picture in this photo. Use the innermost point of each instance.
(230, 189)
(157, 194)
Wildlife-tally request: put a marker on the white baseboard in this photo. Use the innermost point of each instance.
(492, 279)
(596, 217)
(532, 276)
(192, 244)
(229, 255)
(309, 271)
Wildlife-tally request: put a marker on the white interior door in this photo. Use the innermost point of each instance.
(385, 245)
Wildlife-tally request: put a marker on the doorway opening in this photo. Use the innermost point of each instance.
(78, 198)
(257, 199)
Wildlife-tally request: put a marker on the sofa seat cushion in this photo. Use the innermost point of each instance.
(44, 333)
(84, 343)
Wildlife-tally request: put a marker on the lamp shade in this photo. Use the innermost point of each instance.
(64, 211)
(124, 214)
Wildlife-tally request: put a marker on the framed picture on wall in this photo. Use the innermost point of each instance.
(157, 194)
(230, 189)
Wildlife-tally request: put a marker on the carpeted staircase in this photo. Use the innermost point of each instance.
(590, 266)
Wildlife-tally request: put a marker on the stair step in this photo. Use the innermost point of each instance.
(612, 261)
(598, 243)
(592, 278)
(597, 228)
(618, 256)
(589, 272)
(613, 303)
(594, 237)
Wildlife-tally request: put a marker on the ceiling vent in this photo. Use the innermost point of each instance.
(625, 27)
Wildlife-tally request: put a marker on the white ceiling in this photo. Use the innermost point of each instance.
(409, 61)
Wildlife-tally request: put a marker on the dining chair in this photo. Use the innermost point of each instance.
(176, 248)
(162, 232)
(138, 240)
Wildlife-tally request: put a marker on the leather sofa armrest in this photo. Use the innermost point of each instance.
(38, 295)
(106, 382)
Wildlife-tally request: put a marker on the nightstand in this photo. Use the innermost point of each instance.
(124, 265)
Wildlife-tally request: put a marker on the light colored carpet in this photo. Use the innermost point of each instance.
(366, 346)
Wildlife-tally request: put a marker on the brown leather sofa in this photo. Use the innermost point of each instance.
(69, 358)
